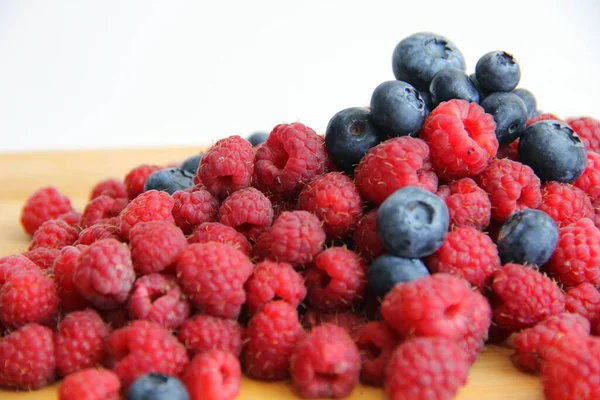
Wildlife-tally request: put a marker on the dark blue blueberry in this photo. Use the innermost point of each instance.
(397, 108)
(553, 150)
(529, 100)
(388, 270)
(498, 71)
(157, 387)
(191, 163)
(527, 237)
(169, 180)
(417, 58)
(349, 135)
(257, 138)
(452, 83)
(510, 115)
(412, 222)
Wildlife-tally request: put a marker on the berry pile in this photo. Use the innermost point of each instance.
(386, 251)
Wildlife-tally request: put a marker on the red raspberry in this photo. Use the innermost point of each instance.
(271, 336)
(336, 279)
(217, 232)
(511, 187)
(461, 139)
(365, 237)
(71, 218)
(351, 322)
(394, 164)
(79, 341)
(439, 305)
(27, 356)
(589, 181)
(246, 210)
(46, 203)
(109, 187)
(468, 204)
(467, 253)
(522, 297)
(148, 206)
(202, 333)
(54, 234)
(43, 257)
(158, 298)
(375, 341)
(90, 384)
(144, 347)
(584, 299)
(213, 276)
(274, 281)
(214, 375)
(15, 263)
(576, 258)
(136, 179)
(155, 246)
(99, 231)
(335, 200)
(426, 368)
(326, 363)
(566, 204)
(532, 344)
(104, 274)
(193, 207)
(63, 270)
(227, 166)
(542, 117)
(477, 333)
(292, 155)
(588, 130)
(295, 237)
(97, 210)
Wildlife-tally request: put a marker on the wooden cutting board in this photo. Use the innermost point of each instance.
(74, 173)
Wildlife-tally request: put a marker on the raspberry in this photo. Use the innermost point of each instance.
(227, 166)
(531, 344)
(584, 299)
(576, 258)
(10, 265)
(79, 341)
(335, 200)
(246, 210)
(44, 204)
(213, 276)
(394, 164)
(144, 347)
(148, 206)
(589, 181)
(43, 257)
(159, 298)
(100, 209)
(104, 274)
(292, 155)
(365, 237)
(466, 253)
(27, 356)
(214, 375)
(136, 179)
(96, 232)
(54, 234)
(351, 322)
(336, 280)
(523, 296)
(477, 333)
(542, 117)
(217, 232)
(90, 384)
(274, 281)
(588, 130)
(193, 207)
(439, 305)
(109, 187)
(71, 218)
(326, 363)
(566, 204)
(271, 336)
(375, 341)
(468, 204)
(426, 368)
(155, 246)
(461, 139)
(295, 237)
(511, 187)
(202, 333)
(63, 270)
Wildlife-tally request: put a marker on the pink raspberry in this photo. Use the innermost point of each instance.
(375, 342)
(193, 207)
(63, 271)
(468, 204)
(202, 333)
(148, 206)
(584, 299)
(566, 204)
(365, 237)
(589, 181)
(109, 187)
(155, 246)
(104, 230)
(136, 179)
(54, 234)
(46, 203)
(246, 210)
(214, 375)
(217, 232)
(43, 257)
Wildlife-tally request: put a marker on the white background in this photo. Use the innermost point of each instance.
(121, 73)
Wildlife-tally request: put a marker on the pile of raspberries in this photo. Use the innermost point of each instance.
(262, 267)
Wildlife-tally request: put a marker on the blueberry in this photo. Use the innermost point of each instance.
(191, 163)
(482, 93)
(527, 237)
(157, 387)
(510, 115)
(257, 138)
(412, 222)
(397, 108)
(169, 180)
(428, 102)
(529, 100)
(388, 270)
(452, 83)
(553, 150)
(417, 58)
(498, 71)
(349, 135)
